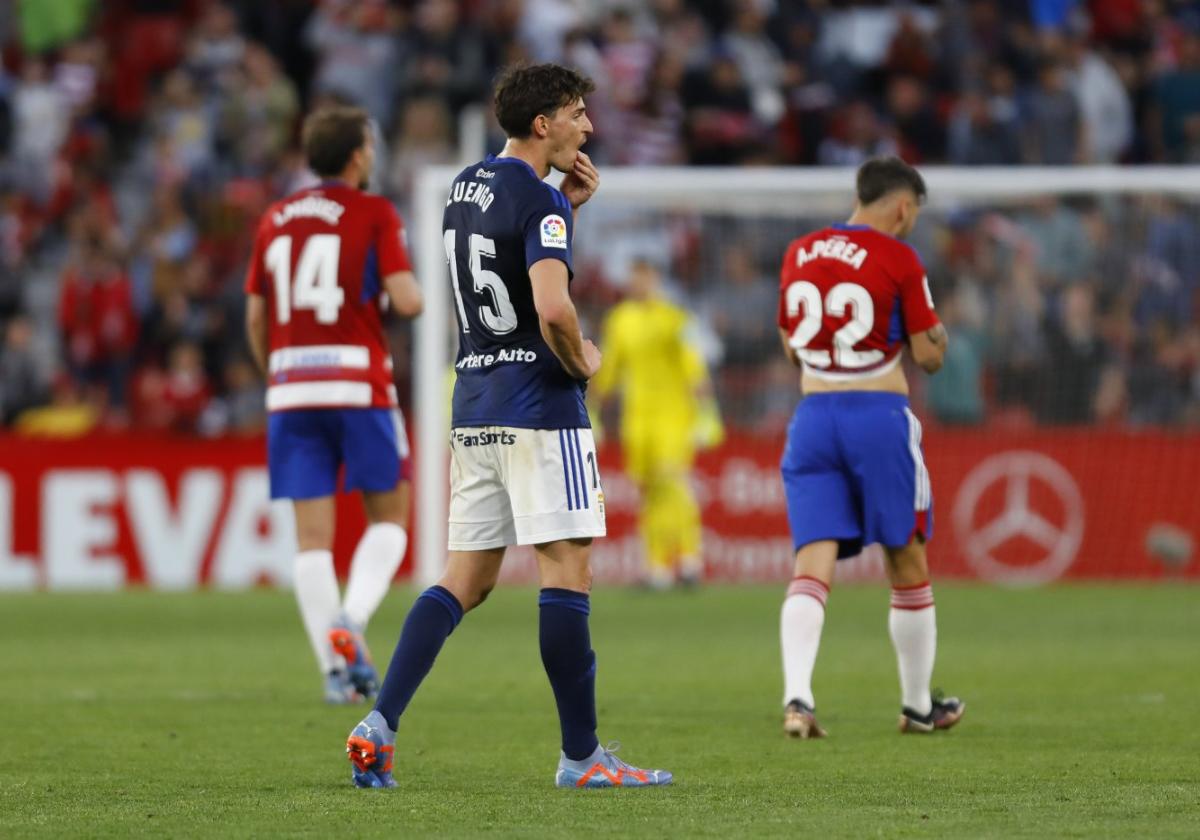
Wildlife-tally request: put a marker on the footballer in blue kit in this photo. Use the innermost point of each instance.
(851, 297)
(523, 465)
(500, 220)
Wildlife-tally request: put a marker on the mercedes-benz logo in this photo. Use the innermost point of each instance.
(1060, 541)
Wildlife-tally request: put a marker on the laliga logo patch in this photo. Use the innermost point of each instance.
(554, 232)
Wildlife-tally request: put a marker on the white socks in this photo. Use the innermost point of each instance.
(317, 594)
(376, 559)
(800, 624)
(911, 623)
(913, 628)
(375, 562)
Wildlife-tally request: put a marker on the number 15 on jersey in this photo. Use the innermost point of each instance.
(496, 310)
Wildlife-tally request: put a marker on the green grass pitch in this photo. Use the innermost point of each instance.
(198, 715)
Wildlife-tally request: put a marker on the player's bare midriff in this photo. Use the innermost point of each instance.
(892, 381)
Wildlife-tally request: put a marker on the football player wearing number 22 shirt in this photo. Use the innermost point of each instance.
(851, 296)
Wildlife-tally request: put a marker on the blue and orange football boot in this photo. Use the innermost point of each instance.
(602, 769)
(339, 691)
(347, 641)
(370, 747)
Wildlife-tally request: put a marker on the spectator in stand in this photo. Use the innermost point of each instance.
(720, 127)
(910, 53)
(919, 132)
(1106, 255)
(1104, 103)
(41, 122)
(168, 322)
(182, 117)
(358, 52)
(98, 324)
(1163, 276)
(1060, 244)
(215, 50)
(258, 117)
(956, 394)
(653, 127)
(6, 116)
(444, 56)
(1054, 127)
(809, 90)
(1073, 341)
(1158, 379)
(77, 74)
(543, 25)
(980, 136)
(758, 59)
(145, 40)
(626, 58)
(735, 307)
(22, 385)
(1176, 96)
(1006, 261)
(857, 135)
(68, 414)
(174, 400)
(241, 408)
(162, 247)
(424, 137)
(1173, 237)
(681, 31)
(13, 244)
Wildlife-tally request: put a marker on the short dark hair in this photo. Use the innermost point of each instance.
(525, 90)
(331, 136)
(882, 175)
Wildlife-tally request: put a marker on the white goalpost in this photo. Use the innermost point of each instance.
(779, 195)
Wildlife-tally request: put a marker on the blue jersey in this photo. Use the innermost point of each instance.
(500, 219)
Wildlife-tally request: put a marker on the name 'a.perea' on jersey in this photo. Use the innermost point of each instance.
(833, 249)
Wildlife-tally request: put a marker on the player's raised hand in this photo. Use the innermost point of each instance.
(591, 357)
(581, 182)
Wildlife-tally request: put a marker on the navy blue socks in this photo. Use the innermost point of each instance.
(566, 654)
(571, 666)
(432, 618)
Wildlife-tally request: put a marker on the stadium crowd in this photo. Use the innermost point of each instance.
(141, 138)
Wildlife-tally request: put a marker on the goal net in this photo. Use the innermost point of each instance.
(1062, 435)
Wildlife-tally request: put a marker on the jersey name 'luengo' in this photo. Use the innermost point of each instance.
(500, 219)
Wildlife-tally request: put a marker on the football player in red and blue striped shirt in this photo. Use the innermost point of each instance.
(851, 297)
(326, 261)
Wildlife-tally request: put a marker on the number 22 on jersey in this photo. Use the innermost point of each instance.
(315, 285)
(845, 299)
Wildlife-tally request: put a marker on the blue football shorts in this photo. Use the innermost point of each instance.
(306, 448)
(853, 471)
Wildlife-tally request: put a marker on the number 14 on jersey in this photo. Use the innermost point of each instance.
(316, 282)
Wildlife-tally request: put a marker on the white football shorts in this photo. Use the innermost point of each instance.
(511, 486)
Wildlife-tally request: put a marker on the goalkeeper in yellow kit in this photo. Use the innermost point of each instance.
(667, 410)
